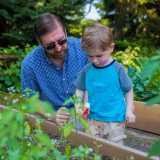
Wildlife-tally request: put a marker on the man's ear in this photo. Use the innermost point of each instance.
(65, 32)
(39, 41)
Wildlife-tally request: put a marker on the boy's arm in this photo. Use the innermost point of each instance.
(130, 117)
(85, 97)
(80, 94)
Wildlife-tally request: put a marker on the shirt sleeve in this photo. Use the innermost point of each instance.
(80, 80)
(28, 80)
(125, 82)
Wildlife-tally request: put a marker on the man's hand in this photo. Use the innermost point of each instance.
(62, 116)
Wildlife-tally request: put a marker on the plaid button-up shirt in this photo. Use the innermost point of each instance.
(54, 85)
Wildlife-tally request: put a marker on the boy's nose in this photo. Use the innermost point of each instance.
(94, 59)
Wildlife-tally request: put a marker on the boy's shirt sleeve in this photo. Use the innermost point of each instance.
(80, 80)
(125, 82)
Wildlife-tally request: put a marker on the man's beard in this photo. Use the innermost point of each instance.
(57, 56)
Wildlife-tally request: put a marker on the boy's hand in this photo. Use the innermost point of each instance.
(86, 110)
(130, 117)
(85, 113)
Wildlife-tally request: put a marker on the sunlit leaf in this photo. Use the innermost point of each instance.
(84, 122)
(72, 112)
(7, 116)
(70, 100)
(14, 154)
(68, 149)
(27, 129)
(42, 106)
(3, 141)
(37, 152)
(149, 68)
(20, 117)
(76, 153)
(13, 143)
(44, 140)
(68, 129)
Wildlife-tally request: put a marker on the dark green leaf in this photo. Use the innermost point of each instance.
(155, 149)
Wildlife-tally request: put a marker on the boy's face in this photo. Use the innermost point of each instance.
(100, 58)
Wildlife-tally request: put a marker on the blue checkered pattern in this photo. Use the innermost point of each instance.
(55, 85)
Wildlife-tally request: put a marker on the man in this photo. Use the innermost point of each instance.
(51, 67)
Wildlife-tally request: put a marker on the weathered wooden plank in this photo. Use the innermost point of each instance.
(112, 150)
(107, 148)
(80, 138)
(147, 118)
(7, 58)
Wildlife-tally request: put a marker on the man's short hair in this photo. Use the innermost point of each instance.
(46, 23)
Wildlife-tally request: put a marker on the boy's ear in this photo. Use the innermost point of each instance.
(112, 47)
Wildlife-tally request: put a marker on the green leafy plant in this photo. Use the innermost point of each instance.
(76, 118)
(18, 140)
(142, 92)
(17, 18)
(10, 70)
(146, 80)
(151, 70)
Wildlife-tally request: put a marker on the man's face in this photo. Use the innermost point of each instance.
(55, 43)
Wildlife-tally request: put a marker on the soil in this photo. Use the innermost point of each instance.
(139, 140)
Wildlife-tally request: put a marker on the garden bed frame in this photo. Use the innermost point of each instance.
(147, 120)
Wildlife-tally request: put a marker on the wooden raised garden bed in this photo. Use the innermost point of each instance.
(147, 120)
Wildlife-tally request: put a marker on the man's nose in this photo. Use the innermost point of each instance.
(58, 47)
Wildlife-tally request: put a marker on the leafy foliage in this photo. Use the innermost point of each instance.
(132, 19)
(76, 118)
(142, 64)
(17, 17)
(21, 141)
(10, 71)
(131, 53)
(155, 149)
(146, 81)
(151, 71)
(142, 90)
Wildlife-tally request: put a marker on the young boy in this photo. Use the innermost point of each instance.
(106, 83)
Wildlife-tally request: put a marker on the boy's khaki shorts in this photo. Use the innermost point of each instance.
(112, 131)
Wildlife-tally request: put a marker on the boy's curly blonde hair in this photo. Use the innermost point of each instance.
(96, 36)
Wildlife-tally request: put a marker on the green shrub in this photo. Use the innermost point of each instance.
(18, 140)
(10, 71)
(146, 80)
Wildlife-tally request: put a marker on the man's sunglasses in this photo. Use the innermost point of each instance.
(52, 45)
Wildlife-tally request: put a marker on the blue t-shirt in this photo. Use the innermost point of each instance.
(106, 87)
(54, 85)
